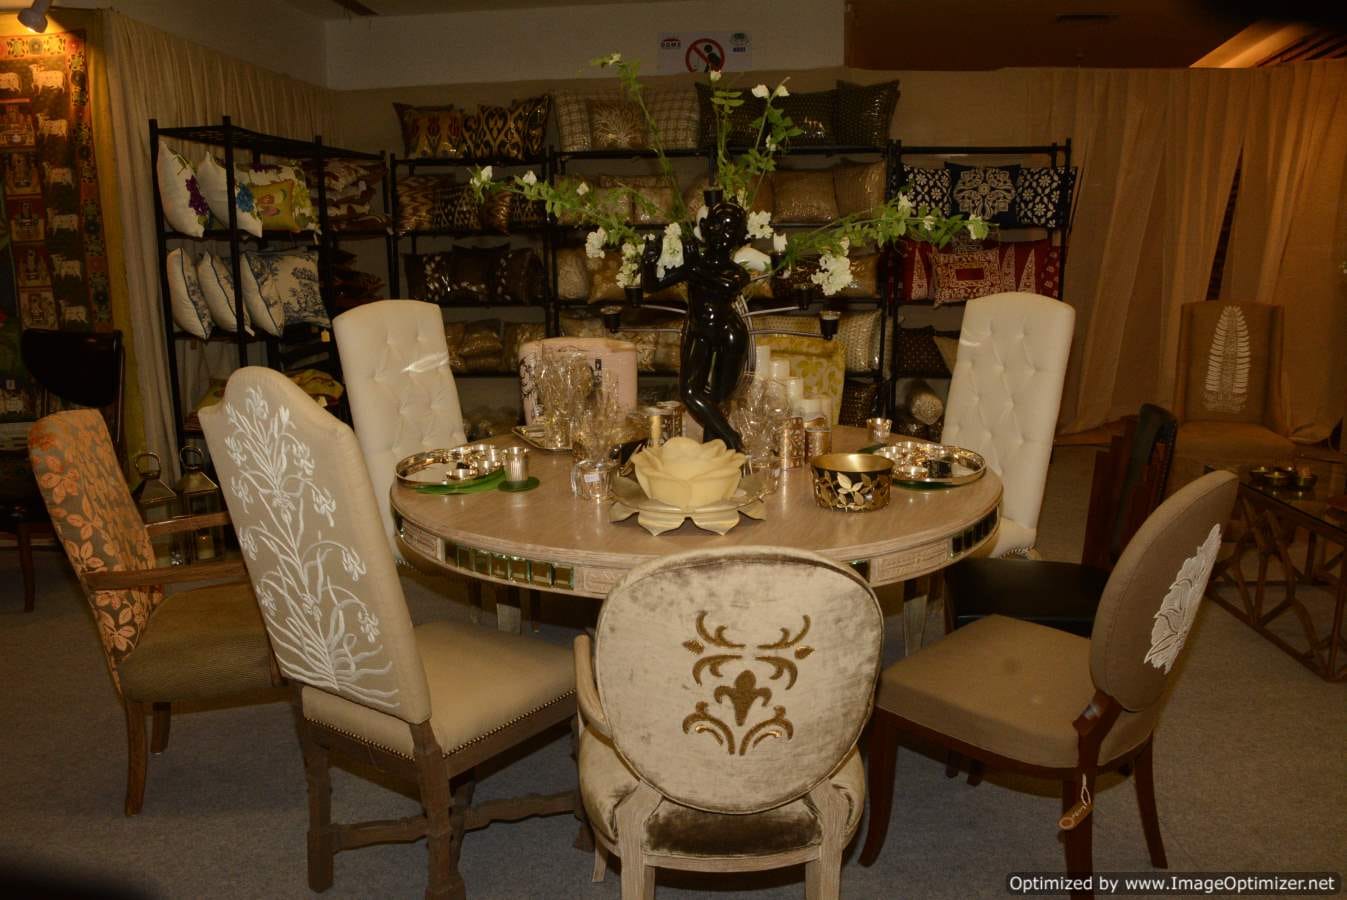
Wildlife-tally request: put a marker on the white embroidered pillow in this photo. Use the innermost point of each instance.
(1179, 607)
(214, 183)
(185, 209)
(264, 306)
(190, 312)
(217, 285)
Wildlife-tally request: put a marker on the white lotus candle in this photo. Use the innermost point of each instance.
(762, 362)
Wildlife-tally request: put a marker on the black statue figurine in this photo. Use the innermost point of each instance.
(716, 339)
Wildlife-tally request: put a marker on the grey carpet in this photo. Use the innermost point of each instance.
(1250, 772)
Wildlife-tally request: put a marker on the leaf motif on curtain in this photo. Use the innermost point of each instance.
(1179, 607)
(1227, 384)
(322, 633)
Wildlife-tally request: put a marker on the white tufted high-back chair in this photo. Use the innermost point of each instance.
(1004, 398)
(402, 393)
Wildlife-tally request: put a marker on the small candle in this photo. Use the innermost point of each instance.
(780, 369)
(762, 362)
(810, 408)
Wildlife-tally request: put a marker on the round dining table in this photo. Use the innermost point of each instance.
(548, 539)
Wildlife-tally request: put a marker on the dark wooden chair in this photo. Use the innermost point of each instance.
(1129, 483)
(1023, 697)
(197, 645)
(78, 368)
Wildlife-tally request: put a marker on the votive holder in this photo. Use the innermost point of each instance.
(592, 479)
(516, 464)
(880, 429)
(766, 465)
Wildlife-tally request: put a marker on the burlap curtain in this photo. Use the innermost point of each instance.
(1289, 235)
(152, 74)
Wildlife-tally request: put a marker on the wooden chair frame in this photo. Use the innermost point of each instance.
(228, 571)
(1078, 781)
(448, 810)
(823, 863)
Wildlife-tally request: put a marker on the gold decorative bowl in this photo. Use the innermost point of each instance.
(852, 482)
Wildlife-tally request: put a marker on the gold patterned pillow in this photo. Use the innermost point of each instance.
(822, 364)
(858, 332)
(864, 113)
(431, 131)
(615, 125)
(603, 287)
(763, 198)
(965, 274)
(572, 121)
(529, 118)
(497, 211)
(612, 201)
(491, 133)
(859, 188)
(864, 277)
(652, 199)
(804, 196)
(675, 113)
(572, 274)
(517, 334)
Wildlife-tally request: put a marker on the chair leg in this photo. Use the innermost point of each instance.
(883, 747)
(975, 772)
(23, 534)
(163, 713)
(952, 764)
(475, 600)
(1150, 820)
(137, 756)
(584, 837)
(1079, 849)
(600, 863)
(914, 618)
(321, 844)
(444, 827)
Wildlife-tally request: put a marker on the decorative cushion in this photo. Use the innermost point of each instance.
(458, 209)
(616, 125)
(1007, 686)
(858, 332)
(742, 131)
(1228, 357)
(572, 121)
(530, 120)
(1043, 196)
(494, 212)
(859, 187)
(610, 200)
(428, 276)
(519, 277)
(858, 402)
(290, 279)
(917, 275)
(918, 355)
(928, 189)
(526, 215)
(603, 287)
(963, 275)
(694, 198)
(431, 131)
(572, 274)
(986, 191)
(822, 364)
(419, 196)
(948, 345)
(185, 208)
(482, 338)
(654, 190)
(864, 113)
(674, 111)
(472, 273)
(204, 644)
(812, 113)
(918, 401)
(217, 286)
(287, 208)
(214, 184)
(190, 312)
(261, 299)
(517, 334)
(865, 283)
(804, 196)
(490, 133)
(1031, 266)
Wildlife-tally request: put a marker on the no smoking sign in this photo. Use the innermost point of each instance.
(703, 51)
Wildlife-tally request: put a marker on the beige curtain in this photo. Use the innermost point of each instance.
(1289, 235)
(152, 74)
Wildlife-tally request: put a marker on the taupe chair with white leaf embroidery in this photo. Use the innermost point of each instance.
(1230, 399)
(721, 711)
(427, 703)
(1016, 695)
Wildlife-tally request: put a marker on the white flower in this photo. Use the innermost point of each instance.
(714, 74)
(977, 228)
(834, 272)
(752, 259)
(629, 273)
(781, 90)
(481, 177)
(778, 243)
(594, 242)
(761, 92)
(581, 189)
(613, 59)
(928, 223)
(771, 144)
(904, 205)
(528, 177)
(760, 224)
(671, 251)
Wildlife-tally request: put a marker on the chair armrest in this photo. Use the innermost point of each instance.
(586, 693)
(179, 524)
(221, 570)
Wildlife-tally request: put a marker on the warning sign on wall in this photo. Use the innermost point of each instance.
(701, 51)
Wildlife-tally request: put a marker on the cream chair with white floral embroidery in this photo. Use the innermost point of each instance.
(1025, 697)
(722, 708)
(427, 703)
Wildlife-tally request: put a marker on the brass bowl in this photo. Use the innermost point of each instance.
(1277, 478)
(852, 482)
(1304, 481)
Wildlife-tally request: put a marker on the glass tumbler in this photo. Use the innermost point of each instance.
(592, 479)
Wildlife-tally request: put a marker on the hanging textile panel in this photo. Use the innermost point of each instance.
(53, 258)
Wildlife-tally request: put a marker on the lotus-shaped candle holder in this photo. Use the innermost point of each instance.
(688, 475)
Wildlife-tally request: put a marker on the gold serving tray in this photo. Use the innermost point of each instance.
(455, 465)
(919, 464)
(533, 436)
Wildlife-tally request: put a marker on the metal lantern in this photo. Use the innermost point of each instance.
(198, 495)
(158, 503)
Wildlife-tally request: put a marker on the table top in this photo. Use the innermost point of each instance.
(550, 539)
(1313, 503)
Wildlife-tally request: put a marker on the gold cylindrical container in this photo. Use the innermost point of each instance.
(793, 445)
(818, 440)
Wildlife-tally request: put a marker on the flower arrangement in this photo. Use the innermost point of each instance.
(739, 175)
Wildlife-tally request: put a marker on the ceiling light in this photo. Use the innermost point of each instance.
(35, 17)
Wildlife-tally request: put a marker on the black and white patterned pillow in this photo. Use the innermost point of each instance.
(926, 188)
(1043, 196)
(986, 191)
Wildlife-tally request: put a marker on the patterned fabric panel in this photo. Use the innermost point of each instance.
(675, 113)
(1043, 196)
(431, 131)
(1032, 266)
(986, 191)
(864, 113)
(963, 275)
(616, 125)
(491, 133)
(918, 355)
(290, 280)
(812, 113)
(530, 120)
(96, 520)
(572, 122)
(418, 198)
(822, 364)
(928, 189)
